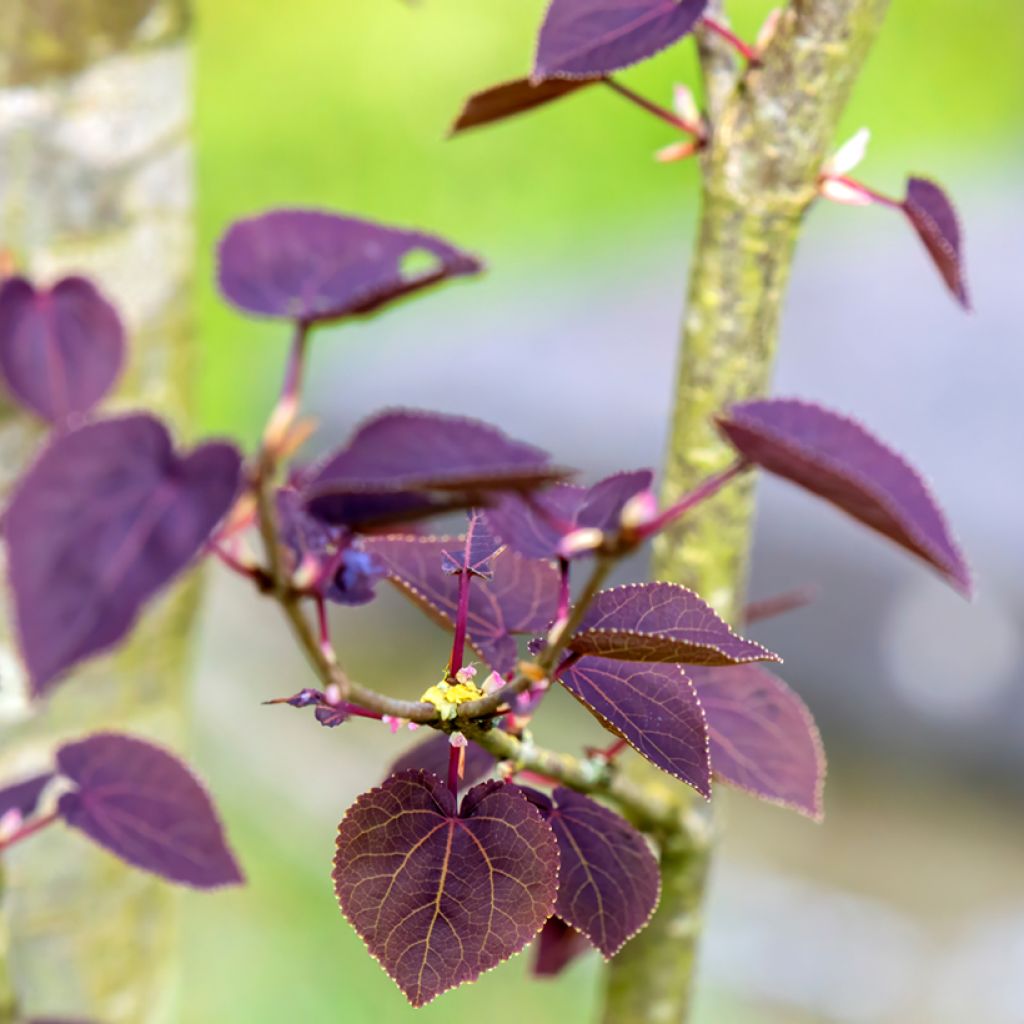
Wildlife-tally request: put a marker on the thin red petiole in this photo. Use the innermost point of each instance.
(745, 50)
(456, 759)
(27, 830)
(462, 611)
(780, 604)
(359, 712)
(696, 130)
(609, 753)
(324, 629)
(707, 489)
(857, 186)
(234, 564)
(563, 590)
(287, 406)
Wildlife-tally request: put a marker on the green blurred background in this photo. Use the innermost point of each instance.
(344, 104)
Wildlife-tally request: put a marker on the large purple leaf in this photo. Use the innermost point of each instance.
(934, 218)
(763, 738)
(107, 516)
(438, 895)
(654, 708)
(520, 597)
(557, 946)
(61, 349)
(661, 622)
(312, 266)
(512, 98)
(837, 459)
(537, 527)
(431, 755)
(147, 808)
(609, 881)
(582, 38)
(23, 797)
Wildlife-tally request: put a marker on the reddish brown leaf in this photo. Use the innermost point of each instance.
(557, 946)
(511, 98)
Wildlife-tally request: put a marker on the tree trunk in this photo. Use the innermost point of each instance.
(96, 178)
(772, 128)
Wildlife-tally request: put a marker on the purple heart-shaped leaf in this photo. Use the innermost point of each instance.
(311, 266)
(23, 797)
(476, 553)
(837, 459)
(584, 38)
(609, 882)
(654, 708)
(441, 895)
(558, 945)
(661, 622)
(763, 738)
(520, 597)
(512, 98)
(934, 218)
(61, 348)
(431, 755)
(108, 515)
(145, 806)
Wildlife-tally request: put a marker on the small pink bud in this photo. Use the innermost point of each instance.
(307, 573)
(768, 29)
(640, 510)
(332, 695)
(466, 674)
(847, 156)
(844, 192)
(458, 740)
(587, 538)
(9, 824)
(676, 151)
(493, 683)
(685, 105)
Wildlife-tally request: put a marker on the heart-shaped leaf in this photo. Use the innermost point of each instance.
(583, 38)
(654, 708)
(837, 459)
(311, 266)
(763, 738)
(512, 98)
(441, 895)
(61, 349)
(23, 797)
(609, 881)
(661, 622)
(145, 806)
(107, 516)
(557, 946)
(431, 755)
(520, 597)
(934, 217)
(536, 528)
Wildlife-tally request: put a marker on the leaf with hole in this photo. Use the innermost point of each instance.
(438, 894)
(931, 212)
(61, 348)
(107, 516)
(144, 805)
(655, 708)
(763, 738)
(511, 98)
(837, 459)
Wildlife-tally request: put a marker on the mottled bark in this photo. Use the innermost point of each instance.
(772, 128)
(96, 178)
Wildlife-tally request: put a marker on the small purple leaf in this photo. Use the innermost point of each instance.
(146, 807)
(61, 349)
(312, 266)
(609, 881)
(557, 946)
(439, 896)
(661, 622)
(763, 738)
(520, 597)
(23, 797)
(476, 553)
(108, 515)
(512, 98)
(654, 708)
(934, 218)
(431, 755)
(584, 38)
(837, 459)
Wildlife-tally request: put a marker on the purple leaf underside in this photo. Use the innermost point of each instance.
(512, 98)
(476, 553)
(558, 945)
(23, 797)
(934, 218)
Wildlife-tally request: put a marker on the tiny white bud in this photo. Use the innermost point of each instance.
(768, 29)
(685, 105)
(841, 192)
(639, 510)
(586, 538)
(458, 740)
(848, 155)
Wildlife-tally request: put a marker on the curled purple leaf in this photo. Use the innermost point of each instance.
(440, 895)
(61, 349)
(312, 266)
(511, 98)
(146, 807)
(931, 212)
(106, 517)
(23, 797)
(837, 459)
(558, 945)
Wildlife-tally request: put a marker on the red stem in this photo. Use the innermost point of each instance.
(563, 590)
(707, 489)
(745, 50)
(455, 756)
(878, 197)
(27, 830)
(248, 571)
(779, 604)
(697, 131)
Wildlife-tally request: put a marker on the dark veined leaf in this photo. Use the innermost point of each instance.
(763, 738)
(312, 266)
(557, 946)
(655, 708)
(145, 806)
(23, 797)
(661, 622)
(536, 528)
(609, 881)
(512, 98)
(476, 552)
(441, 895)
(582, 38)
(520, 597)
(397, 462)
(431, 755)
(108, 515)
(934, 218)
(837, 459)
(61, 349)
